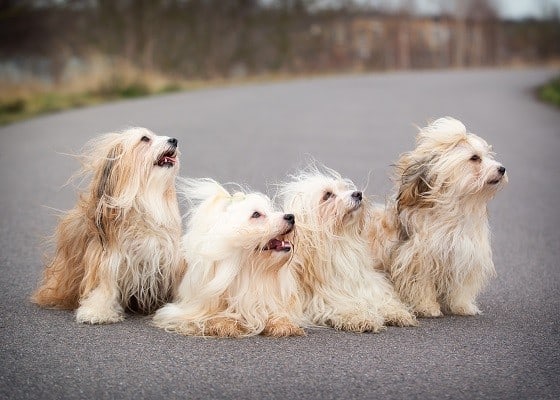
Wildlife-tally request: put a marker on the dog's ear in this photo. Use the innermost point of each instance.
(104, 186)
(104, 190)
(414, 181)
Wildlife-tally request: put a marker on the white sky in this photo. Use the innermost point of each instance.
(507, 8)
(526, 8)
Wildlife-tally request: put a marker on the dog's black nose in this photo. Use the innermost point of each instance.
(172, 142)
(290, 218)
(357, 195)
(501, 169)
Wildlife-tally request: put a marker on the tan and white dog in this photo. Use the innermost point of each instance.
(118, 247)
(433, 239)
(340, 287)
(239, 281)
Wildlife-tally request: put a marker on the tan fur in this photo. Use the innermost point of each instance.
(340, 287)
(224, 327)
(281, 327)
(433, 239)
(119, 246)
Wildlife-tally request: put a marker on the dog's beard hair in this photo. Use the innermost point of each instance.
(124, 229)
(334, 263)
(434, 239)
(228, 276)
(263, 288)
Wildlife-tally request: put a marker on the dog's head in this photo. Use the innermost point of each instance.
(244, 224)
(134, 169)
(323, 201)
(131, 163)
(448, 164)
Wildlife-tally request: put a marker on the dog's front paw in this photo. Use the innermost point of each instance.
(224, 327)
(401, 318)
(428, 310)
(358, 323)
(464, 309)
(282, 327)
(96, 315)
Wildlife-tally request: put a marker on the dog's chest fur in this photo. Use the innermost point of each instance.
(458, 245)
(148, 262)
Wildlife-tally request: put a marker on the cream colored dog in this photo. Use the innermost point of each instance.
(433, 239)
(340, 286)
(239, 281)
(118, 248)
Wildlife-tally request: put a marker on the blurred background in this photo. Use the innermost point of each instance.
(57, 54)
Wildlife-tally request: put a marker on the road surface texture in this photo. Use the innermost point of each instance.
(256, 135)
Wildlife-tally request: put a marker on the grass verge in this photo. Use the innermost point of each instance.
(32, 104)
(550, 92)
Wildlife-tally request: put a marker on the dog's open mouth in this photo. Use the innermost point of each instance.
(495, 181)
(278, 244)
(167, 158)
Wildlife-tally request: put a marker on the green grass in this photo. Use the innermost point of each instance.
(19, 108)
(550, 92)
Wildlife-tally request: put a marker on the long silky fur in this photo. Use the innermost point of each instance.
(123, 232)
(340, 287)
(227, 279)
(433, 239)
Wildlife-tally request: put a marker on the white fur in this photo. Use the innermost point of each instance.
(232, 287)
(433, 239)
(340, 287)
(119, 247)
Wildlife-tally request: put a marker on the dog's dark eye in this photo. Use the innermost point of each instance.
(145, 139)
(475, 158)
(256, 214)
(327, 195)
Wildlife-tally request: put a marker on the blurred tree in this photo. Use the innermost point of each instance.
(217, 38)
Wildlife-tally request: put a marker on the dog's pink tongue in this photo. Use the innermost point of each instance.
(167, 159)
(279, 245)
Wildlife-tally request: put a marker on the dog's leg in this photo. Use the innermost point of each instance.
(102, 304)
(282, 326)
(423, 297)
(397, 314)
(461, 301)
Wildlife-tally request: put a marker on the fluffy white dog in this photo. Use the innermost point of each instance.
(340, 287)
(239, 281)
(434, 238)
(118, 247)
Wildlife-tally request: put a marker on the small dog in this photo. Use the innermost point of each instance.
(118, 248)
(340, 287)
(239, 281)
(433, 239)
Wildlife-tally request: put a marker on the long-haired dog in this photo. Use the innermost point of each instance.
(433, 239)
(118, 248)
(340, 287)
(239, 281)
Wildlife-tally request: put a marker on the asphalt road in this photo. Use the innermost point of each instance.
(256, 135)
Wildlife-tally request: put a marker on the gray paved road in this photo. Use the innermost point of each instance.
(255, 135)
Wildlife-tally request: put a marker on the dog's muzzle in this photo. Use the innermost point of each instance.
(501, 173)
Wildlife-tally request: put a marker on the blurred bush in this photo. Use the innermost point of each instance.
(551, 92)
